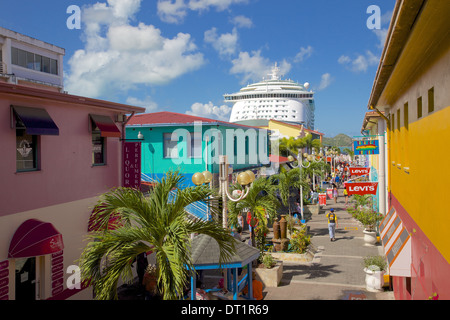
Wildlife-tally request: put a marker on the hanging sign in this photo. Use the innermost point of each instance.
(330, 193)
(363, 147)
(359, 171)
(361, 188)
(131, 165)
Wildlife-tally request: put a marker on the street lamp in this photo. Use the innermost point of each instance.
(245, 179)
(301, 165)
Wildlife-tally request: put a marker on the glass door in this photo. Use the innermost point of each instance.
(26, 278)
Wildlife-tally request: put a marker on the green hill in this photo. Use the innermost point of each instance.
(341, 140)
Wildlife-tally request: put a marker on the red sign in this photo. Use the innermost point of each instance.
(361, 188)
(322, 199)
(131, 165)
(359, 171)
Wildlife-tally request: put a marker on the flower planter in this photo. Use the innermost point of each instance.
(370, 237)
(270, 277)
(374, 280)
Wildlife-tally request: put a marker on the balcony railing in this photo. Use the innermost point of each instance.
(2, 67)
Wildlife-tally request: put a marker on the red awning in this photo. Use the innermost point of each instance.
(106, 126)
(35, 238)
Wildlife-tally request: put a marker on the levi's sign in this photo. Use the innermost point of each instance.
(361, 188)
(359, 171)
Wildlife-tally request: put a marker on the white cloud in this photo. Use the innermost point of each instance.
(225, 44)
(174, 11)
(242, 22)
(119, 56)
(147, 103)
(303, 54)
(361, 63)
(254, 67)
(325, 81)
(209, 110)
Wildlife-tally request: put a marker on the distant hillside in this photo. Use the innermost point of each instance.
(341, 140)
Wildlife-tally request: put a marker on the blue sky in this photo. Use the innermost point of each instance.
(183, 55)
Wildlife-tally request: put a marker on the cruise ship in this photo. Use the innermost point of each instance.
(273, 99)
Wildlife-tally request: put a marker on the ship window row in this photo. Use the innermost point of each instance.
(270, 95)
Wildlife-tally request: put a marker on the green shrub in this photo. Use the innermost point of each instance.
(300, 240)
(375, 262)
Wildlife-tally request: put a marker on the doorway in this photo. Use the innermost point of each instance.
(26, 279)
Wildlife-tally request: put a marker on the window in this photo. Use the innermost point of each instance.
(195, 150)
(398, 119)
(98, 148)
(405, 116)
(33, 61)
(170, 145)
(27, 149)
(431, 100)
(419, 107)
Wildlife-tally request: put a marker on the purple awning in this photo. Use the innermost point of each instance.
(35, 238)
(37, 121)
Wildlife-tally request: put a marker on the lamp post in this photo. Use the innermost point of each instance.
(301, 165)
(245, 179)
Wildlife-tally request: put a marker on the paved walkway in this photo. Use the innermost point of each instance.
(336, 272)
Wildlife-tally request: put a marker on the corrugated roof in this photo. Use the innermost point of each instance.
(205, 252)
(173, 118)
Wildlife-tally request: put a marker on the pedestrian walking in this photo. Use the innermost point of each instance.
(335, 194)
(241, 222)
(346, 196)
(332, 224)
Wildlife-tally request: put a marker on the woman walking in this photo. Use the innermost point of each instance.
(335, 194)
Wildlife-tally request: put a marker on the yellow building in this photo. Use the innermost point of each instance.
(287, 130)
(412, 88)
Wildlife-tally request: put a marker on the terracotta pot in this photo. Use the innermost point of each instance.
(276, 229)
(283, 227)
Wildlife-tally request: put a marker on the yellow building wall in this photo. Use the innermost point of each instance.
(285, 129)
(423, 148)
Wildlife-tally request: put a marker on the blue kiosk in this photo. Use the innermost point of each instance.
(206, 254)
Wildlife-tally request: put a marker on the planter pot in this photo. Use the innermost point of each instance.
(312, 209)
(270, 277)
(374, 280)
(370, 237)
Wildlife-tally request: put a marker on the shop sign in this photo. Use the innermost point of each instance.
(363, 147)
(362, 188)
(322, 199)
(131, 165)
(359, 171)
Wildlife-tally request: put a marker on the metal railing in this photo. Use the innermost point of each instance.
(196, 210)
(2, 68)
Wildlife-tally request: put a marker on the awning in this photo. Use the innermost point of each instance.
(35, 238)
(36, 121)
(397, 244)
(106, 126)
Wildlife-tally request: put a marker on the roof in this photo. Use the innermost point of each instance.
(206, 253)
(298, 126)
(14, 89)
(172, 119)
(368, 118)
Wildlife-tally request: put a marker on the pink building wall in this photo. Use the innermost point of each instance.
(429, 269)
(66, 171)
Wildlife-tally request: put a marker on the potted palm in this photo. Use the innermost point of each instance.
(374, 267)
(369, 218)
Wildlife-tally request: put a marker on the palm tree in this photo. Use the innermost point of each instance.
(260, 200)
(286, 182)
(290, 146)
(309, 143)
(155, 223)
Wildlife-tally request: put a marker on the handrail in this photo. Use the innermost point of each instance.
(197, 210)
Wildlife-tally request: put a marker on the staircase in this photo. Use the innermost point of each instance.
(196, 210)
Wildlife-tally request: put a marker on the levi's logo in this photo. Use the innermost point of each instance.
(360, 188)
(360, 170)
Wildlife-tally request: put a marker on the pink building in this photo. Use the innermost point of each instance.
(59, 153)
